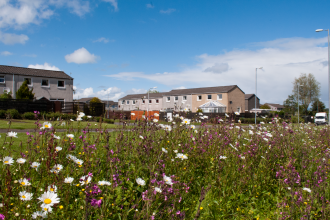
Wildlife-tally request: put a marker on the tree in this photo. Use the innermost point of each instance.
(95, 100)
(290, 104)
(6, 95)
(153, 91)
(265, 106)
(24, 92)
(309, 89)
(318, 106)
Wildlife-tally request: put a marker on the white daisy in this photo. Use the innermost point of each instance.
(307, 189)
(164, 150)
(71, 136)
(57, 137)
(85, 180)
(52, 188)
(71, 157)
(227, 115)
(88, 116)
(12, 134)
(35, 165)
(167, 180)
(20, 160)
(46, 125)
(192, 126)
(156, 114)
(167, 128)
(78, 161)
(48, 199)
(35, 215)
(222, 157)
(24, 182)
(159, 190)
(79, 119)
(104, 183)
(71, 119)
(8, 160)
(176, 151)
(181, 156)
(25, 196)
(186, 121)
(237, 113)
(58, 149)
(140, 181)
(68, 180)
(155, 120)
(57, 168)
(141, 137)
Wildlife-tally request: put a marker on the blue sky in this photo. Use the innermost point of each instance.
(128, 46)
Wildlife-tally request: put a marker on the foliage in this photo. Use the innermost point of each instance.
(24, 91)
(199, 111)
(29, 115)
(318, 106)
(3, 113)
(13, 113)
(264, 106)
(294, 119)
(153, 91)
(95, 100)
(6, 95)
(309, 89)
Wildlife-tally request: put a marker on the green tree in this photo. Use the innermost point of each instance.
(24, 92)
(265, 106)
(6, 95)
(290, 104)
(95, 100)
(153, 91)
(309, 89)
(318, 106)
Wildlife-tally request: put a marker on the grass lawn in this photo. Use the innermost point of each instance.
(30, 124)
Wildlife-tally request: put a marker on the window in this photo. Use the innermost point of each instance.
(123, 102)
(45, 82)
(168, 98)
(2, 79)
(238, 109)
(199, 98)
(29, 81)
(143, 101)
(127, 102)
(219, 96)
(59, 100)
(150, 100)
(176, 98)
(157, 100)
(133, 102)
(209, 97)
(184, 98)
(60, 84)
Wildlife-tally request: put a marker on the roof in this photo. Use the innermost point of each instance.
(139, 96)
(275, 105)
(203, 90)
(34, 72)
(212, 104)
(248, 96)
(85, 99)
(110, 102)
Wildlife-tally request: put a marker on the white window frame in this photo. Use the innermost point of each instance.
(133, 102)
(123, 102)
(184, 98)
(218, 97)
(168, 98)
(61, 87)
(31, 81)
(208, 97)
(200, 98)
(45, 86)
(4, 79)
(127, 102)
(176, 98)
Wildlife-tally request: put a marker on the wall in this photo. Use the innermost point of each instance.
(140, 106)
(180, 103)
(249, 103)
(196, 103)
(238, 100)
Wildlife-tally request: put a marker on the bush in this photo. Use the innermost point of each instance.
(109, 121)
(29, 116)
(294, 119)
(69, 116)
(13, 113)
(2, 113)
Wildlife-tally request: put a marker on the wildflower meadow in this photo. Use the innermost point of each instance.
(275, 170)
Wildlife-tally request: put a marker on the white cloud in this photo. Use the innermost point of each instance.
(79, 8)
(45, 66)
(10, 39)
(136, 91)
(168, 11)
(111, 93)
(81, 56)
(6, 53)
(102, 39)
(114, 3)
(282, 60)
(180, 87)
(218, 68)
(150, 6)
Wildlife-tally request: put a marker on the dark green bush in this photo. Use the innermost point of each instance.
(13, 113)
(109, 121)
(3, 113)
(29, 116)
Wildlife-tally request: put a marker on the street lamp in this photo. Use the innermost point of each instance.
(320, 30)
(298, 103)
(148, 100)
(255, 100)
(107, 104)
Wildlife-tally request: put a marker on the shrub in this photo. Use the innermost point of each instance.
(13, 113)
(29, 116)
(2, 113)
(109, 121)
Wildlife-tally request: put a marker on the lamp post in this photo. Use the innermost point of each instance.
(255, 100)
(298, 103)
(320, 30)
(107, 104)
(148, 101)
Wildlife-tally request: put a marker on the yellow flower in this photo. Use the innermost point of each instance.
(61, 207)
(37, 146)
(201, 208)
(78, 184)
(101, 197)
(83, 190)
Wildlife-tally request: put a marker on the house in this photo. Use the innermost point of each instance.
(109, 105)
(209, 99)
(141, 102)
(250, 100)
(50, 84)
(275, 107)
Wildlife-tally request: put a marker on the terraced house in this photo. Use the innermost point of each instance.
(217, 99)
(49, 84)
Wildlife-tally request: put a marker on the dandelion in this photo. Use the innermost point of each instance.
(181, 156)
(85, 180)
(24, 182)
(35, 165)
(104, 183)
(307, 189)
(52, 188)
(58, 149)
(140, 181)
(12, 134)
(20, 160)
(46, 125)
(48, 199)
(164, 150)
(8, 160)
(68, 180)
(25, 196)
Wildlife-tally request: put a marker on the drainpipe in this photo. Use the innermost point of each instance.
(14, 93)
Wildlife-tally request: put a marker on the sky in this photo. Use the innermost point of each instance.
(117, 47)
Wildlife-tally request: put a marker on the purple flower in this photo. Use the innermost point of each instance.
(96, 202)
(27, 133)
(90, 174)
(2, 217)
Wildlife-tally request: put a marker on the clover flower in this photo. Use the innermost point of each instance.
(12, 134)
(8, 160)
(140, 181)
(25, 196)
